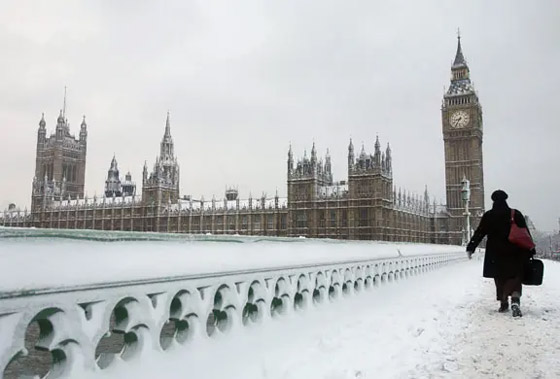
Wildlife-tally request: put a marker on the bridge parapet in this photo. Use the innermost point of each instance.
(84, 328)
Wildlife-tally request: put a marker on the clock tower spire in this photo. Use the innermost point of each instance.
(461, 117)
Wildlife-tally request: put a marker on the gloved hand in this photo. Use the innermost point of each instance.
(470, 249)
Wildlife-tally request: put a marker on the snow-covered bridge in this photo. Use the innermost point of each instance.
(151, 305)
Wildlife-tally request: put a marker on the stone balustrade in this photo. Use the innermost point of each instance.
(80, 330)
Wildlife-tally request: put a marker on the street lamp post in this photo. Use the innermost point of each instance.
(466, 196)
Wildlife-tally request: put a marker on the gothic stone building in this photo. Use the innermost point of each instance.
(60, 163)
(461, 116)
(114, 187)
(365, 206)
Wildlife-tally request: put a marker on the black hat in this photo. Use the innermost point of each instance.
(499, 195)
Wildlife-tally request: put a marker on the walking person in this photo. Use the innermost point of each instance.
(503, 261)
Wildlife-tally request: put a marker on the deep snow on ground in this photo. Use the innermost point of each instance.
(442, 324)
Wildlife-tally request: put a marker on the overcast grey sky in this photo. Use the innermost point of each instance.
(244, 78)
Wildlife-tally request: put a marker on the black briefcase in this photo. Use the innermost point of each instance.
(534, 271)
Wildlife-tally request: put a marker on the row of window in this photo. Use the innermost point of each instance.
(364, 218)
(462, 74)
(459, 100)
(195, 225)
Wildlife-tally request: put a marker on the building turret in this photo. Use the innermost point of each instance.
(232, 194)
(83, 132)
(60, 127)
(263, 200)
(460, 69)
(328, 167)
(350, 155)
(128, 187)
(145, 173)
(376, 163)
(377, 152)
(312, 168)
(166, 147)
(290, 161)
(42, 132)
(162, 185)
(62, 189)
(313, 160)
(313, 154)
(388, 158)
(113, 182)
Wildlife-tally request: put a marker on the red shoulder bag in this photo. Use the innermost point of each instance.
(520, 236)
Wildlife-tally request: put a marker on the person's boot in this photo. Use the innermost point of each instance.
(504, 306)
(515, 307)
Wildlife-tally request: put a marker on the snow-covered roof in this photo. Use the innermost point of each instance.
(460, 87)
(15, 213)
(335, 190)
(229, 205)
(90, 201)
(441, 211)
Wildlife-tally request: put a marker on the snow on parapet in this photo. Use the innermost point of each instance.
(190, 254)
(95, 202)
(230, 205)
(183, 205)
(255, 280)
(15, 214)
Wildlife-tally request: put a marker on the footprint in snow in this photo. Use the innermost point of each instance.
(449, 366)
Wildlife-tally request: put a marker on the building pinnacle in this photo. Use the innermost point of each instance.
(167, 126)
(459, 58)
(42, 122)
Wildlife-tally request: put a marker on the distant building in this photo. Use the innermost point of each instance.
(365, 205)
(531, 226)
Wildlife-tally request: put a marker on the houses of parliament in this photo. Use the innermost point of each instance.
(365, 206)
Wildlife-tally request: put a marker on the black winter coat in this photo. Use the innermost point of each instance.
(503, 259)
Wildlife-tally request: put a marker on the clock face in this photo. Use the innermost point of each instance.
(459, 119)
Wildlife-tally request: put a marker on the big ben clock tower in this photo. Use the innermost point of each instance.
(461, 117)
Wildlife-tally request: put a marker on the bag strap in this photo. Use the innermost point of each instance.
(512, 216)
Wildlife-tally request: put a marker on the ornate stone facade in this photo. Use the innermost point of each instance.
(60, 163)
(114, 187)
(461, 117)
(365, 206)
